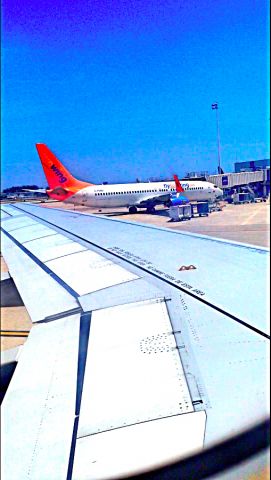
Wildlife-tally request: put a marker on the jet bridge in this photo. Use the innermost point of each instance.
(229, 180)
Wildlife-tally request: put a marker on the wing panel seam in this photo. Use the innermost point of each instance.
(42, 265)
(85, 322)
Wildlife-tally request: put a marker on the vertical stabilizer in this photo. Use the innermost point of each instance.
(62, 184)
(179, 188)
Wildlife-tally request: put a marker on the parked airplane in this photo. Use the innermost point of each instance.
(35, 190)
(64, 187)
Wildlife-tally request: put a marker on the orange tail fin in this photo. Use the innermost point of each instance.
(62, 184)
(179, 188)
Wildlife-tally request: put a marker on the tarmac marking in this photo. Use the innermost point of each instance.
(248, 220)
(14, 333)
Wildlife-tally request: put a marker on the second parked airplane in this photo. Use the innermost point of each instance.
(64, 187)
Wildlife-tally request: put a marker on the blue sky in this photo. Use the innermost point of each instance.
(121, 90)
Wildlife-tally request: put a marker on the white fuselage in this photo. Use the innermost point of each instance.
(126, 195)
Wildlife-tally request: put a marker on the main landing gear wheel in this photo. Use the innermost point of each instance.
(150, 210)
(132, 209)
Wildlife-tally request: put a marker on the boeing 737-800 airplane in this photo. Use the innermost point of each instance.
(64, 187)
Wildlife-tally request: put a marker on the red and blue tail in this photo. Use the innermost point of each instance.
(179, 188)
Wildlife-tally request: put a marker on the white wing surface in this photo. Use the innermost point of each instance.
(147, 344)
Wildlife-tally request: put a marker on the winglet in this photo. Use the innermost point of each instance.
(179, 188)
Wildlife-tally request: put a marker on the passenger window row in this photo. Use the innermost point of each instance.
(134, 191)
(147, 191)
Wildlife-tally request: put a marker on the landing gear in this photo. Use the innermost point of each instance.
(132, 209)
(150, 210)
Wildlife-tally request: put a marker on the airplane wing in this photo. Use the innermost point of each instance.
(150, 201)
(147, 344)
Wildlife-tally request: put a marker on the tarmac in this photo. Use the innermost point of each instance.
(246, 223)
(15, 321)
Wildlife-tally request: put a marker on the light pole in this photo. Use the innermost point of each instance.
(215, 107)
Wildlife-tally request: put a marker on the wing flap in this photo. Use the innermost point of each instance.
(137, 369)
(31, 232)
(19, 222)
(11, 211)
(88, 271)
(4, 215)
(135, 395)
(53, 246)
(138, 448)
(43, 296)
(39, 407)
